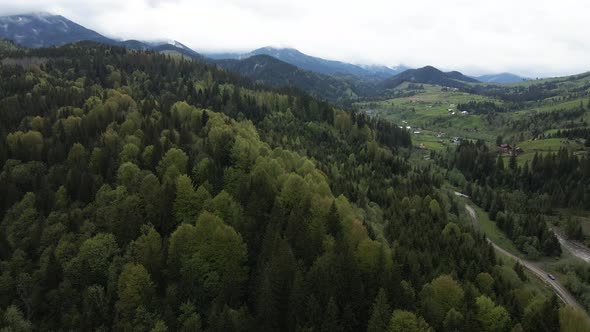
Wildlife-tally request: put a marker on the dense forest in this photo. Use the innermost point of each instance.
(147, 192)
(556, 179)
(524, 200)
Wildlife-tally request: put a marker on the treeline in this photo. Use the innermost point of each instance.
(577, 280)
(526, 228)
(141, 192)
(537, 93)
(480, 107)
(519, 94)
(516, 196)
(537, 123)
(561, 175)
(575, 133)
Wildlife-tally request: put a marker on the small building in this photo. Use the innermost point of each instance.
(456, 140)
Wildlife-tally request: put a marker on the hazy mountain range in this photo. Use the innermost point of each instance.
(44, 30)
(318, 65)
(501, 78)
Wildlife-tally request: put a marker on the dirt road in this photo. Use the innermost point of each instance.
(561, 291)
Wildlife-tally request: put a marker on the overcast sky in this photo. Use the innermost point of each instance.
(528, 37)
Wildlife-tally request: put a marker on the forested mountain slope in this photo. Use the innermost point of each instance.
(429, 75)
(143, 192)
(269, 71)
(315, 64)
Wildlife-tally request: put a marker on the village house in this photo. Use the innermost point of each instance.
(507, 148)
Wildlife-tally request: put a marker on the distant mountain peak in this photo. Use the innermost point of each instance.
(172, 42)
(430, 75)
(268, 70)
(430, 68)
(501, 78)
(43, 29)
(315, 64)
(281, 49)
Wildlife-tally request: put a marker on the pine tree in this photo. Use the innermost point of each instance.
(520, 271)
(512, 162)
(573, 229)
(550, 314)
(333, 224)
(381, 313)
(331, 321)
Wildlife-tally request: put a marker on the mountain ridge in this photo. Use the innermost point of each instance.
(501, 78)
(429, 75)
(41, 29)
(268, 70)
(37, 30)
(315, 64)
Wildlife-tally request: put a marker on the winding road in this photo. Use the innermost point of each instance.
(561, 291)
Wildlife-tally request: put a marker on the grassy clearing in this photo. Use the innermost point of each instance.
(546, 145)
(543, 146)
(429, 140)
(433, 101)
(427, 116)
(534, 281)
(428, 113)
(489, 228)
(549, 264)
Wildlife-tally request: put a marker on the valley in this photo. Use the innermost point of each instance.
(146, 186)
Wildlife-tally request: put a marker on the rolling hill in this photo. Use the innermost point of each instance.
(429, 75)
(502, 78)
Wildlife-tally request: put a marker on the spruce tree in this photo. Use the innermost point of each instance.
(381, 313)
